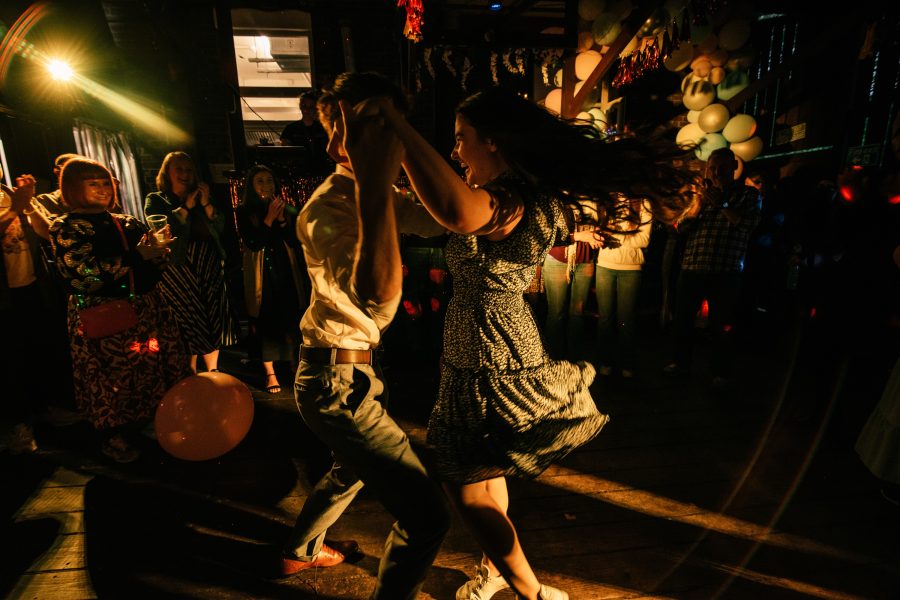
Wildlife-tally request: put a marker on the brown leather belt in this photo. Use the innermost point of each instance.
(335, 356)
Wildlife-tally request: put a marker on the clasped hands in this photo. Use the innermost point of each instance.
(275, 211)
(200, 195)
(595, 238)
(374, 150)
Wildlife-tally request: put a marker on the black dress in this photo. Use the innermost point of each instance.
(504, 407)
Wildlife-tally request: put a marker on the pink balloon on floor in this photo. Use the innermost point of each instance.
(204, 416)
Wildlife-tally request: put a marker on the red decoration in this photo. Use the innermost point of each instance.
(415, 16)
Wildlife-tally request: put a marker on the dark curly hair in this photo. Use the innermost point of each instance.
(569, 159)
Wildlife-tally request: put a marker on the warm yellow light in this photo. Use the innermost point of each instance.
(60, 70)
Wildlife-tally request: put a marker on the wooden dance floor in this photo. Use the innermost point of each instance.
(754, 491)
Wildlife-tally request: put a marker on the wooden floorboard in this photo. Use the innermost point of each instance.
(686, 494)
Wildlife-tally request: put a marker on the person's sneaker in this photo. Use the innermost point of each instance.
(119, 450)
(605, 370)
(22, 440)
(483, 586)
(551, 593)
(626, 374)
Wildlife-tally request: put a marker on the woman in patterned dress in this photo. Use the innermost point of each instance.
(194, 283)
(504, 407)
(120, 378)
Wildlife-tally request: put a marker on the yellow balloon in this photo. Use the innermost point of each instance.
(598, 115)
(713, 118)
(698, 95)
(585, 116)
(749, 149)
(553, 101)
(739, 128)
(585, 41)
(688, 135)
(585, 63)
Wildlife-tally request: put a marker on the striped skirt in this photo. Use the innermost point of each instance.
(198, 297)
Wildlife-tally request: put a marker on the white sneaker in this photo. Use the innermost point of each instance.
(483, 586)
(551, 593)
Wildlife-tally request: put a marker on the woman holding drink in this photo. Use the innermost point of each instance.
(194, 283)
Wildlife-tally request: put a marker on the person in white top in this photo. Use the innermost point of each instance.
(349, 230)
(618, 280)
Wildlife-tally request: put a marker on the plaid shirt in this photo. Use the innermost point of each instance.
(713, 244)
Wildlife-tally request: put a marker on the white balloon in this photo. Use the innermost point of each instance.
(749, 149)
(698, 95)
(589, 9)
(553, 101)
(734, 34)
(708, 144)
(585, 63)
(585, 116)
(693, 115)
(688, 135)
(598, 115)
(713, 118)
(557, 79)
(739, 128)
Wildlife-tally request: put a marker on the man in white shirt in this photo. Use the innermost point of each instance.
(350, 235)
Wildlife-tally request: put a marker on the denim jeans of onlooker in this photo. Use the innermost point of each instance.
(617, 294)
(342, 405)
(564, 330)
(722, 292)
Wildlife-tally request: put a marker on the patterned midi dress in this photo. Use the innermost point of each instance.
(504, 407)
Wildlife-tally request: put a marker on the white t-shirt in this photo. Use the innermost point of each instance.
(328, 229)
(16, 253)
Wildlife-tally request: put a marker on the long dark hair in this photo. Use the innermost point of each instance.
(255, 205)
(250, 197)
(569, 159)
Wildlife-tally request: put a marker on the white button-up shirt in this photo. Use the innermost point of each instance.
(328, 228)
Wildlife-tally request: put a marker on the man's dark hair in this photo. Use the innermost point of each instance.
(310, 95)
(356, 87)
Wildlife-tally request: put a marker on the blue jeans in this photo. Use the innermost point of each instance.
(564, 328)
(342, 405)
(617, 293)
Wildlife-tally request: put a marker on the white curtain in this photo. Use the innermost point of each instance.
(112, 149)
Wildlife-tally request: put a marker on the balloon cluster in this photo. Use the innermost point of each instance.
(601, 24)
(718, 59)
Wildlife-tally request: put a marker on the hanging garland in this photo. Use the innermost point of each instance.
(415, 17)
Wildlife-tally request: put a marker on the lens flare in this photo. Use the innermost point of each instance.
(59, 70)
